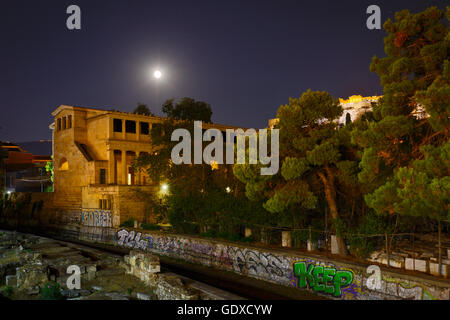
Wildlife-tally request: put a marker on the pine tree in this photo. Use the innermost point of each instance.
(314, 151)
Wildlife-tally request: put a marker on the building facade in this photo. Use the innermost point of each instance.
(24, 171)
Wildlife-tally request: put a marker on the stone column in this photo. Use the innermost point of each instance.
(124, 167)
(138, 173)
(111, 166)
(111, 128)
(124, 134)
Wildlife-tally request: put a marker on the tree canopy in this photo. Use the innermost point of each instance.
(187, 109)
(405, 148)
(143, 109)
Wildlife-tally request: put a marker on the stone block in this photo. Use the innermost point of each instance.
(91, 268)
(409, 263)
(11, 281)
(421, 265)
(143, 296)
(334, 245)
(311, 245)
(286, 239)
(434, 269)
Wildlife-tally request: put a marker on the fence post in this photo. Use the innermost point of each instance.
(414, 249)
(387, 248)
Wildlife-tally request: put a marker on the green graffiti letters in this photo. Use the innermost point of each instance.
(322, 279)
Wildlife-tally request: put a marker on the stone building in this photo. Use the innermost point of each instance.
(93, 153)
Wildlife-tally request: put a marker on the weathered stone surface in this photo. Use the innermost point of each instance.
(33, 290)
(143, 296)
(397, 261)
(421, 265)
(31, 275)
(334, 245)
(311, 245)
(69, 294)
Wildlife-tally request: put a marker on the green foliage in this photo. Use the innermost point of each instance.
(128, 224)
(49, 168)
(423, 189)
(51, 291)
(142, 109)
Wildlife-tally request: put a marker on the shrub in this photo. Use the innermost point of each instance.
(128, 224)
(8, 291)
(51, 291)
(150, 226)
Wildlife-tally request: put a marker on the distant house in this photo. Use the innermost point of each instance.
(24, 171)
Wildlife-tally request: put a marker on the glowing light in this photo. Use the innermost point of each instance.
(164, 187)
(228, 189)
(157, 74)
(8, 192)
(214, 165)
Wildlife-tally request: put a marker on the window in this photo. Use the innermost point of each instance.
(130, 126)
(69, 122)
(102, 176)
(64, 126)
(117, 125)
(59, 124)
(145, 128)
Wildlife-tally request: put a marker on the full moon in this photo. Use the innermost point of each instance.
(157, 74)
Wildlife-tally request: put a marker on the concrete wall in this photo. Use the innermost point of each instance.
(329, 277)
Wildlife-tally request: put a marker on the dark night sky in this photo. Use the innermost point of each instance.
(245, 58)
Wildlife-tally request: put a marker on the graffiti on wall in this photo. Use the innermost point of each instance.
(96, 218)
(322, 279)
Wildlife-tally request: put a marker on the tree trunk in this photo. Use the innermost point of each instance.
(330, 196)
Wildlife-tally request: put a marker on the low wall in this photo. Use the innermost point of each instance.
(329, 277)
